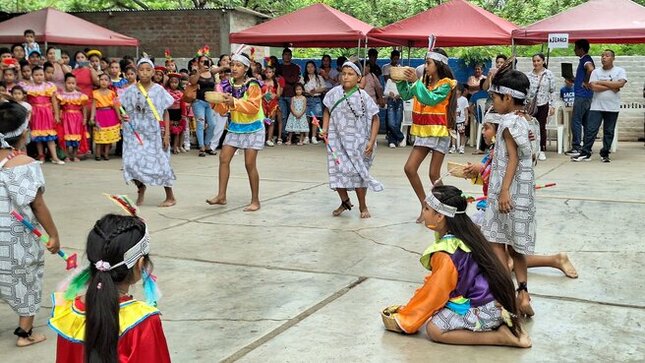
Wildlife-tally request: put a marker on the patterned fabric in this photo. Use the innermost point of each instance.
(430, 106)
(482, 318)
(298, 124)
(22, 259)
(517, 228)
(349, 131)
(439, 144)
(546, 93)
(147, 163)
(253, 141)
(270, 98)
(109, 130)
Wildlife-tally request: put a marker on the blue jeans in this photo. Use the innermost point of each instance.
(608, 120)
(579, 119)
(314, 106)
(394, 119)
(204, 113)
(285, 109)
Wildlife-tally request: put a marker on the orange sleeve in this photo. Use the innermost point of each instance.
(221, 108)
(251, 105)
(431, 297)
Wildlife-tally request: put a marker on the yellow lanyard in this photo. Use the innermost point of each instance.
(152, 106)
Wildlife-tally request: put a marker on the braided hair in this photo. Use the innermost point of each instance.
(462, 227)
(108, 241)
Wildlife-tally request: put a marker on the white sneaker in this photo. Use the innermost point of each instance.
(461, 149)
(402, 143)
(452, 150)
(541, 156)
(314, 141)
(392, 145)
(270, 143)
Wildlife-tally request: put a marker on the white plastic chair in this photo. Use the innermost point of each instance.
(407, 119)
(614, 143)
(481, 110)
(553, 123)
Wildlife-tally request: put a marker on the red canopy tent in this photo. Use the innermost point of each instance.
(598, 21)
(53, 26)
(316, 26)
(457, 23)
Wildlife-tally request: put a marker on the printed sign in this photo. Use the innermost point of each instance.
(558, 40)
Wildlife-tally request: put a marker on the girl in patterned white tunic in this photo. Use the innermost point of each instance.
(21, 254)
(147, 162)
(509, 219)
(351, 122)
(243, 99)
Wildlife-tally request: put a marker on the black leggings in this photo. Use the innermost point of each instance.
(542, 115)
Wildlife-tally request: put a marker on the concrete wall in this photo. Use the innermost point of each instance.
(632, 114)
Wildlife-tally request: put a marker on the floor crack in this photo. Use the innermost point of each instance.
(358, 233)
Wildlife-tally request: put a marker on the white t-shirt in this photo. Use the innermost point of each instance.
(607, 100)
(385, 70)
(462, 107)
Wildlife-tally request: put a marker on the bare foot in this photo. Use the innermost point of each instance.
(523, 341)
(509, 262)
(252, 207)
(420, 219)
(167, 203)
(524, 304)
(566, 266)
(365, 213)
(141, 191)
(217, 200)
(35, 338)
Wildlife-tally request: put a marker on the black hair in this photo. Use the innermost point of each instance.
(104, 59)
(541, 55)
(79, 52)
(460, 87)
(583, 44)
(37, 68)
(512, 79)
(107, 75)
(299, 85)
(249, 72)
(305, 74)
(613, 54)
(497, 275)
(13, 47)
(481, 83)
(108, 241)
(372, 51)
(11, 70)
(5, 50)
(3, 84)
(183, 70)
(444, 71)
(64, 52)
(286, 50)
(340, 61)
(69, 75)
(322, 60)
(17, 88)
(48, 49)
(29, 31)
(47, 64)
(12, 116)
(395, 53)
(219, 60)
(24, 63)
(503, 56)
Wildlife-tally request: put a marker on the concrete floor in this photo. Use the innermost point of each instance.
(291, 283)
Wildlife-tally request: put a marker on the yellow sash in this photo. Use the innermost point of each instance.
(152, 106)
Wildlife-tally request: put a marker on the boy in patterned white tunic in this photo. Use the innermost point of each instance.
(351, 123)
(509, 220)
(22, 257)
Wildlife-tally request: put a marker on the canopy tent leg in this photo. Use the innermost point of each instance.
(358, 49)
(365, 58)
(514, 51)
(409, 59)
(548, 55)
(137, 52)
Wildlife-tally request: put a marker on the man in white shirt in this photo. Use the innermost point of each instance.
(605, 83)
(395, 57)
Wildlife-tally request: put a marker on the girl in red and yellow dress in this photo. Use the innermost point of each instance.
(41, 96)
(107, 324)
(73, 115)
(106, 117)
(433, 113)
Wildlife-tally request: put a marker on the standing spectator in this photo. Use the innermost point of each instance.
(60, 70)
(477, 115)
(583, 95)
(474, 81)
(202, 75)
(394, 136)
(567, 94)
(372, 56)
(314, 86)
(605, 83)
(542, 87)
(372, 86)
(18, 52)
(290, 73)
(395, 56)
(328, 73)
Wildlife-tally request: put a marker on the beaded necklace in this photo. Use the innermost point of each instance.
(350, 105)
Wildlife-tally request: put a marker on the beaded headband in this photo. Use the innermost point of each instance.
(354, 67)
(437, 57)
(507, 91)
(446, 210)
(10, 135)
(131, 256)
(145, 61)
(242, 59)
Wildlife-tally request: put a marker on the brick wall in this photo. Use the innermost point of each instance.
(632, 113)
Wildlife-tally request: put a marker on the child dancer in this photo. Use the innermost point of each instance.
(351, 123)
(245, 130)
(297, 121)
(146, 103)
(468, 299)
(22, 257)
(433, 113)
(271, 92)
(42, 97)
(176, 111)
(509, 220)
(73, 115)
(107, 324)
(106, 117)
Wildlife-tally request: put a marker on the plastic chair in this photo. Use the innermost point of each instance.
(481, 111)
(407, 119)
(553, 123)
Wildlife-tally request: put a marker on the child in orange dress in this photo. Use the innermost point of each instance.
(73, 115)
(105, 117)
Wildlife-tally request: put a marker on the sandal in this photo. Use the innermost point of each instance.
(344, 205)
(202, 154)
(211, 152)
(97, 158)
(21, 333)
(525, 309)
